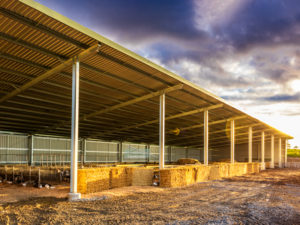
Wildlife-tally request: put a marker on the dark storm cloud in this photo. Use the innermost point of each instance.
(138, 19)
(283, 98)
(267, 22)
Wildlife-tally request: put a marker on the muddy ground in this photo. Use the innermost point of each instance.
(271, 197)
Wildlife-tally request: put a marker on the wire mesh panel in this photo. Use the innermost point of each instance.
(154, 153)
(53, 151)
(102, 152)
(178, 153)
(13, 149)
(194, 153)
(135, 152)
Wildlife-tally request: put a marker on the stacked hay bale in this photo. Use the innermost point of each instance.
(202, 173)
(118, 177)
(142, 176)
(214, 172)
(224, 169)
(268, 165)
(256, 167)
(93, 180)
(190, 175)
(173, 177)
(103, 178)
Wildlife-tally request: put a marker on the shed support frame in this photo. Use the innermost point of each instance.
(206, 138)
(263, 166)
(285, 152)
(232, 141)
(279, 153)
(30, 148)
(250, 145)
(162, 103)
(73, 195)
(272, 152)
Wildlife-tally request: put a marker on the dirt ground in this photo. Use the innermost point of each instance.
(271, 197)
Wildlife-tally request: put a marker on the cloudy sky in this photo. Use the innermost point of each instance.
(247, 52)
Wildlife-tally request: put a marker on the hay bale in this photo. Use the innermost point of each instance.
(190, 175)
(93, 180)
(173, 177)
(81, 182)
(214, 172)
(142, 176)
(118, 177)
(184, 161)
(202, 173)
(224, 170)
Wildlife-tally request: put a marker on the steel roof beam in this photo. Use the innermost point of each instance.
(133, 101)
(57, 85)
(215, 132)
(167, 118)
(213, 122)
(44, 68)
(47, 30)
(38, 26)
(212, 140)
(50, 72)
(201, 125)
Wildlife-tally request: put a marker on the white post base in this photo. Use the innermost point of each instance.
(74, 196)
(262, 166)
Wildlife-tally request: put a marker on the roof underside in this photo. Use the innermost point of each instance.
(34, 40)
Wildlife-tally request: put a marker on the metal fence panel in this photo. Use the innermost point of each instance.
(13, 149)
(53, 151)
(134, 152)
(102, 152)
(178, 153)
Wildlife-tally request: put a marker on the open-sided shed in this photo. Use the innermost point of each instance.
(116, 94)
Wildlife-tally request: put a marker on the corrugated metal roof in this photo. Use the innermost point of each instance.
(35, 39)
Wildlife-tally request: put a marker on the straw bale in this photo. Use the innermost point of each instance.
(184, 161)
(214, 172)
(224, 170)
(81, 181)
(190, 175)
(173, 177)
(268, 165)
(256, 167)
(93, 180)
(129, 172)
(118, 177)
(142, 176)
(202, 173)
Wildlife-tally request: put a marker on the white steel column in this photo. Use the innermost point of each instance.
(205, 150)
(263, 167)
(31, 148)
(83, 151)
(73, 195)
(250, 145)
(232, 141)
(162, 131)
(272, 151)
(279, 153)
(285, 152)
